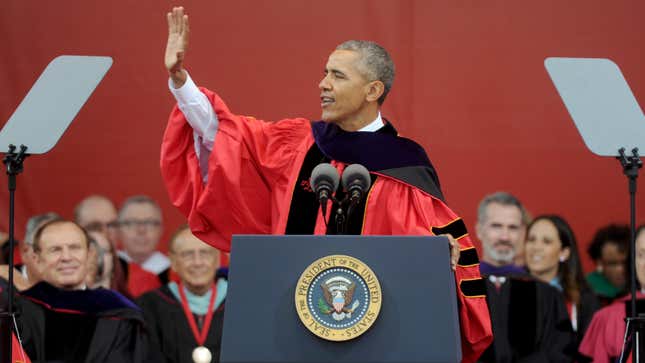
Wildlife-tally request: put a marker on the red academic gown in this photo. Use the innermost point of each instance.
(603, 341)
(252, 173)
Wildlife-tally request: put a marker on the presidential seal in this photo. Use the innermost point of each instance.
(338, 297)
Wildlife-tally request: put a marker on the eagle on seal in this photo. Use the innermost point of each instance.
(338, 292)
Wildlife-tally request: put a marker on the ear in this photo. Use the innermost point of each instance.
(173, 261)
(374, 90)
(565, 254)
(478, 231)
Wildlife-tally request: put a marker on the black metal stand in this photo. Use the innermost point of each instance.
(631, 165)
(13, 162)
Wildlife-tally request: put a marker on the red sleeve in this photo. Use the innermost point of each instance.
(426, 215)
(474, 318)
(603, 338)
(248, 173)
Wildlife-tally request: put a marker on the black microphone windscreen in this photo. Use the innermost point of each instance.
(356, 173)
(326, 173)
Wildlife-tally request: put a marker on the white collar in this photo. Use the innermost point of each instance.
(374, 125)
(155, 263)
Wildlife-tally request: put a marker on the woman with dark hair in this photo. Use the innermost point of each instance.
(552, 256)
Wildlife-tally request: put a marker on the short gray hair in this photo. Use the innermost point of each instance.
(138, 199)
(503, 198)
(35, 222)
(375, 63)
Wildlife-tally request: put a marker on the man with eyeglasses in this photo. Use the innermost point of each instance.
(139, 229)
(62, 319)
(184, 320)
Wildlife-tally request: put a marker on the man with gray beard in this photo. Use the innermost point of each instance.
(529, 318)
(501, 228)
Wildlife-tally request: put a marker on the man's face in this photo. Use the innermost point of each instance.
(62, 255)
(140, 229)
(501, 232)
(344, 89)
(194, 261)
(98, 215)
(612, 260)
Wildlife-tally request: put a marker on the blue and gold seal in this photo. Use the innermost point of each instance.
(338, 297)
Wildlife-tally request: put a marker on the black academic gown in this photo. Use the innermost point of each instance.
(93, 326)
(169, 335)
(530, 323)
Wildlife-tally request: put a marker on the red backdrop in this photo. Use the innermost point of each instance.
(471, 88)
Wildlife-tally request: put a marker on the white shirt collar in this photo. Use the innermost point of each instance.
(156, 263)
(374, 125)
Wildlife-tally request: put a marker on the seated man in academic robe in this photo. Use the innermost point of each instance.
(529, 317)
(233, 174)
(61, 320)
(185, 319)
(140, 229)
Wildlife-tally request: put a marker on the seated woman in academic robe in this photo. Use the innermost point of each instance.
(603, 341)
(551, 255)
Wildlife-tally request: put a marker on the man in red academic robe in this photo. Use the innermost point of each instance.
(233, 174)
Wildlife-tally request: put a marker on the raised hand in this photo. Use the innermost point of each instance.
(177, 45)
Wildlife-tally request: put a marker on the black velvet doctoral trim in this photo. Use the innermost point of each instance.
(381, 151)
(374, 150)
(304, 204)
(422, 177)
(456, 229)
(468, 257)
(473, 288)
(59, 328)
(522, 316)
(304, 208)
(95, 301)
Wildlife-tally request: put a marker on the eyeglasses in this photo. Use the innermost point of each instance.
(96, 226)
(191, 255)
(136, 223)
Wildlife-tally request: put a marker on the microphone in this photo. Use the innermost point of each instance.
(356, 181)
(324, 181)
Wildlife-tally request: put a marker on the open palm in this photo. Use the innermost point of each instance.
(178, 31)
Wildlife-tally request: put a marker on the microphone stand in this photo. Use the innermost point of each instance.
(13, 162)
(631, 165)
(341, 218)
